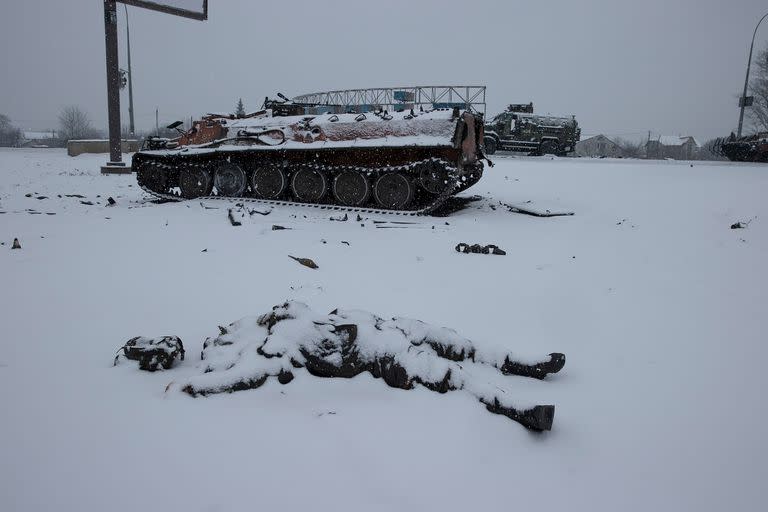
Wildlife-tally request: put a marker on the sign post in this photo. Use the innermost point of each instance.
(115, 165)
(194, 9)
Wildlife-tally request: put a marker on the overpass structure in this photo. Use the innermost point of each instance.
(469, 97)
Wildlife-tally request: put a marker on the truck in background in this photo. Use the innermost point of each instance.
(519, 129)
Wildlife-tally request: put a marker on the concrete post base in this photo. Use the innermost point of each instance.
(115, 168)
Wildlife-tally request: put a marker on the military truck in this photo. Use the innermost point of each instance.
(519, 129)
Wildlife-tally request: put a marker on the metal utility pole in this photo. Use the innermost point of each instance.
(743, 99)
(132, 127)
(115, 163)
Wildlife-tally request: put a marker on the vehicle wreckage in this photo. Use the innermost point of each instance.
(407, 161)
(751, 148)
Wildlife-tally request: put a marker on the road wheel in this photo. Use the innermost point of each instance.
(351, 188)
(549, 147)
(153, 176)
(268, 181)
(195, 181)
(393, 191)
(230, 180)
(309, 185)
(433, 177)
(490, 145)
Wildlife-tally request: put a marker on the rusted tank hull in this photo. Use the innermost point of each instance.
(408, 163)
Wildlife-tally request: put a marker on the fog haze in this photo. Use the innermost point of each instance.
(623, 68)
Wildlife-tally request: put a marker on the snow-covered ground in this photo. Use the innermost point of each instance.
(659, 306)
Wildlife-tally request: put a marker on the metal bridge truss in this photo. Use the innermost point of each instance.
(470, 97)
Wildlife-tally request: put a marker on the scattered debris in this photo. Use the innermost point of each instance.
(204, 250)
(330, 413)
(16, 244)
(345, 242)
(152, 353)
(208, 207)
(50, 213)
(41, 197)
(340, 218)
(28, 195)
(74, 195)
(454, 204)
(305, 261)
(276, 227)
(111, 202)
(480, 249)
(359, 218)
(742, 224)
(88, 203)
(232, 219)
(259, 212)
(517, 209)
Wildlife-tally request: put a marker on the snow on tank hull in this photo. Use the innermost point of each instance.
(400, 162)
(752, 148)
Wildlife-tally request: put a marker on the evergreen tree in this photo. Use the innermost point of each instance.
(240, 109)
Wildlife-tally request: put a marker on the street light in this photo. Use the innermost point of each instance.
(743, 99)
(130, 73)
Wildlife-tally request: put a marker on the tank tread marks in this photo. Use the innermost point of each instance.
(379, 163)
(519, 129)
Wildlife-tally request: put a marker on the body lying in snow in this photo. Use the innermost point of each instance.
(345, 343)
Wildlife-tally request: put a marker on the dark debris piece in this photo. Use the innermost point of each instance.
(232, 219)
(87, 203)
(480, 249)
(739, 225)
(340, 218)
(111, 202)
(152, 353)
(276, 227)
(16, 244)
(305, 261)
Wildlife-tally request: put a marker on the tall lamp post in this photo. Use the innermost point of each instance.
(130, 73)
(743, 99)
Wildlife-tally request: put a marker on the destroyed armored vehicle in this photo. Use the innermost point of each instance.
(752, 148)
(519, 129)
(407, 161)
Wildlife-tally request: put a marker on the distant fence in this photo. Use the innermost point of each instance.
(78, 147)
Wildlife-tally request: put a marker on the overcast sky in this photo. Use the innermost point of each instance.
(622, 67)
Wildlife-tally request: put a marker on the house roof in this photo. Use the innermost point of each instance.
(675, 140)
(599, 136)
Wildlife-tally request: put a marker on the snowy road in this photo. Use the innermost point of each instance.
(659, 306)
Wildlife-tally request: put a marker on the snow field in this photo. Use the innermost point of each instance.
(658, 305)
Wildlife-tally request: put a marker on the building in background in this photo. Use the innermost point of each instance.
(674, 147)
(598, 146)
(40, 140)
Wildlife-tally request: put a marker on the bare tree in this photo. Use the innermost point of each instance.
(709, 150)
(9, 134)
(758, 87)
(631, 148)
(74, 124)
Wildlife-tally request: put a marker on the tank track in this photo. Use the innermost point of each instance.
(459, 184)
